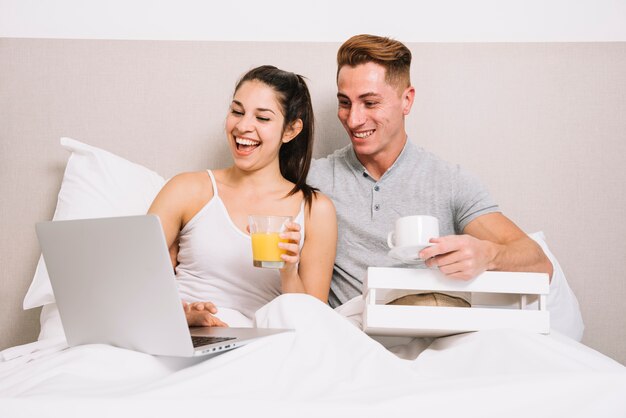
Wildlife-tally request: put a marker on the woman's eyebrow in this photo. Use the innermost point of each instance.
(259, 109)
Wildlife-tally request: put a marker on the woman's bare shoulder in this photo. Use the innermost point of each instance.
(322, 206)
(189, 187)
(192, 181)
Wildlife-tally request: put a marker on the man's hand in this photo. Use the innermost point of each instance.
(200, 314)
(459, 256)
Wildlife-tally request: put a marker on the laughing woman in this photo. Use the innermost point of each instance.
(204, 214)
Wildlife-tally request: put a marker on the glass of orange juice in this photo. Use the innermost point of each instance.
(264, 232)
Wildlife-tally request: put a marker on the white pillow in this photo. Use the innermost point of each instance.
(96, 184)
(565, 315)
(50, 322)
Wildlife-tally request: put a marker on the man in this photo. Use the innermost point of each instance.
(382, 176)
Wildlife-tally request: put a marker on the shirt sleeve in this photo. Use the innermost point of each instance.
(320, 175)
(471, 199)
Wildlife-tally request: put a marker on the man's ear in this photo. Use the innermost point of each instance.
(408, 96)
(292, 130)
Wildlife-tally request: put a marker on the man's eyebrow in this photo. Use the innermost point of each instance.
(367, 95)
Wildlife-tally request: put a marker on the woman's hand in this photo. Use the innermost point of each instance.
(292, 256)
(200, 314)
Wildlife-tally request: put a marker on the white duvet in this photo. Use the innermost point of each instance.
(327, 367)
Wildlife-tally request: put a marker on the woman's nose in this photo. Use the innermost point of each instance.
(244, 124)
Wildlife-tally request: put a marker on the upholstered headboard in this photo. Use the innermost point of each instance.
(543, 125)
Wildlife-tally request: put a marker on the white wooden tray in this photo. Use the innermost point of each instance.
(381, 319)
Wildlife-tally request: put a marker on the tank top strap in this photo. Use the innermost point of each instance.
(301, 219)
(214, 183)
(301, 215)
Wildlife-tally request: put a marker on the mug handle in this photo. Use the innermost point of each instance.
(390, 237)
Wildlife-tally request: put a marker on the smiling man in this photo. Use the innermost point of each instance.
(382, 176)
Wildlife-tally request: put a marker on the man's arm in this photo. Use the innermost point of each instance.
(489, 242)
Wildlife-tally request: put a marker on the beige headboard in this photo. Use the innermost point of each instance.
(543, 125)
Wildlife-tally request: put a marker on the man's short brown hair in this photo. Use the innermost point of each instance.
(393, 55)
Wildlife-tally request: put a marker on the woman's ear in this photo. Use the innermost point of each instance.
(292, 130)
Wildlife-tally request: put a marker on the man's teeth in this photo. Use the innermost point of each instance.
(363, 134)
(245, 141)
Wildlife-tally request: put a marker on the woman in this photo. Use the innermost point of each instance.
(269, 129)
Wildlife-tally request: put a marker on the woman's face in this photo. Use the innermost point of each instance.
(254, 126)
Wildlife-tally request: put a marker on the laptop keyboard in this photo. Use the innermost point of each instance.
(200, 341)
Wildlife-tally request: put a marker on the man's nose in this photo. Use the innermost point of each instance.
(356, 117)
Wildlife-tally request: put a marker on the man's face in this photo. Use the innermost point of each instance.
(372, 111)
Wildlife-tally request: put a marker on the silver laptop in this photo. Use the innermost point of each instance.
(114, 284)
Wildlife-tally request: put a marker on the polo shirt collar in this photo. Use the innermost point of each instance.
(409, 150)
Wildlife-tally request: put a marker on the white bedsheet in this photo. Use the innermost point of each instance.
(328, 367)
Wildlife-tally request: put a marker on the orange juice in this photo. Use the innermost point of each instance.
(265, 251)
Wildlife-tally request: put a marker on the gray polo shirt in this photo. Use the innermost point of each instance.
(418, 183)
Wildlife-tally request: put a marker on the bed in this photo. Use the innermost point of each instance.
(134, 113)
(329, 367)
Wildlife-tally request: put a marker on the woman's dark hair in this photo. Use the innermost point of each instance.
(293, 95)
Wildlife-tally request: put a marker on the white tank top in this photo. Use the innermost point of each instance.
(215, 261)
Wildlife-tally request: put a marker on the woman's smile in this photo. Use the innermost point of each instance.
(246, 145)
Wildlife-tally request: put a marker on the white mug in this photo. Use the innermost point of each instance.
(416, 230)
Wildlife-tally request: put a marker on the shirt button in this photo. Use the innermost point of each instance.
(376, 207)
(376, 188)
(364, 174)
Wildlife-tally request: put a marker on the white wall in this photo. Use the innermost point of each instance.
(320, 20)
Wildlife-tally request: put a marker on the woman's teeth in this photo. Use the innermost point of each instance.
(245, 142)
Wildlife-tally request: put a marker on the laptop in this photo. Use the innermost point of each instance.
(114, 284)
